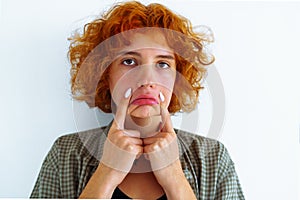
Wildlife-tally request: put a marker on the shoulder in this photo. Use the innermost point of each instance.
(80, 145)
(71, 160)
(210, 152)
(78, 138)
(200, 143)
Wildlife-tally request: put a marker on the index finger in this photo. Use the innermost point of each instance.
(121, 110)
(166, 120)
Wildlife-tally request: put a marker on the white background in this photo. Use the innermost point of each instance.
(257, 55)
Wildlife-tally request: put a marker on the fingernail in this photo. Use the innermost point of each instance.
(161, 96)
(127, 93)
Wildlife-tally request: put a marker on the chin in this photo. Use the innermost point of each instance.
(145, 111)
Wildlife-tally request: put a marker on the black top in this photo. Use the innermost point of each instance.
(118, 194)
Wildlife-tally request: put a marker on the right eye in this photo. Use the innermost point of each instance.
(129, 62)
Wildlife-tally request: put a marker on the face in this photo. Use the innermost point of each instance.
(148, 67)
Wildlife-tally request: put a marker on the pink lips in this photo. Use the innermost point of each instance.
(145, 100)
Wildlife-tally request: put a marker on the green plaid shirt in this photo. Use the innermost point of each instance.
(74, 158)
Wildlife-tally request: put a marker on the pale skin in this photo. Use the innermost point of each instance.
(149, 185)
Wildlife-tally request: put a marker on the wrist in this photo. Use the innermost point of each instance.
(102, 183)
(180, 189)
(174, 182)
(111, 177)
(171, 175)
(176, 186)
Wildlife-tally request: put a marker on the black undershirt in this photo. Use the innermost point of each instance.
(118, 194)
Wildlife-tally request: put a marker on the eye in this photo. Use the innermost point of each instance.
(129, 62)
(163, 65)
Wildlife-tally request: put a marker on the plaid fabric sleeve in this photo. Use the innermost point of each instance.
(47, 184)
(228, 185)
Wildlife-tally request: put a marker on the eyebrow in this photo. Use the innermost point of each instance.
(134, 53)
(170, 57)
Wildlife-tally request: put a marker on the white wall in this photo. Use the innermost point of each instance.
(257, 55)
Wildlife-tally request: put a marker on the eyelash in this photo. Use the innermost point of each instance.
(123, 62)
(127, 59)
(165, 63)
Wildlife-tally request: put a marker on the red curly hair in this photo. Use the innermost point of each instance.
(190, 60)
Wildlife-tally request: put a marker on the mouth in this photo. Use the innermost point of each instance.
(145, 100)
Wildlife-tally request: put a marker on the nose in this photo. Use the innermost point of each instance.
(146, 76)
(151, 85)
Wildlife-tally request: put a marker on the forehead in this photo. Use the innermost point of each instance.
(146, 40)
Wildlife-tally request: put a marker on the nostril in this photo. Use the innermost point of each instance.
(151, 85)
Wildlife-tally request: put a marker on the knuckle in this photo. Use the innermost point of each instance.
(129, 147)
(161, 140)
(119, 133)
(154, 148)
(161, 145)
(115, 134)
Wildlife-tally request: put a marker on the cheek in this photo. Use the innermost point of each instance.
(118, 88)
(167, 95)
(114, 77)
(113, 80)
(119, 79)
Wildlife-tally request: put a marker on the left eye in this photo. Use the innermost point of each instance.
(129, 62)
(163, 65)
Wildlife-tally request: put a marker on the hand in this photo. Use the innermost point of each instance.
(122, 146)
(162, 149)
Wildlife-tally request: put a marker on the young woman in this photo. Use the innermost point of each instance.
(140, 63)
